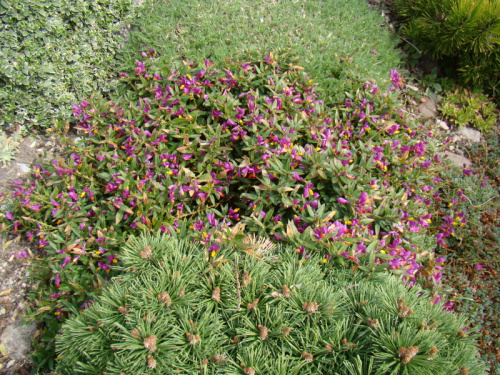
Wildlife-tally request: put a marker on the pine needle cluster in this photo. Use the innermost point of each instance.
(179, 311)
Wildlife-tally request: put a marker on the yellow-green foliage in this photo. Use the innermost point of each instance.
(468, 30)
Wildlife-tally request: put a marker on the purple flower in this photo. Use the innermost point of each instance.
(65, 262)
(211, 219)
(342, 200)
(57, 281)
(9, 216)
(363, 198)
(214, 247)
(187, 156)
(397, 81)
(23, 254)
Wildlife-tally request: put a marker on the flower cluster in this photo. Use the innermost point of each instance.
(251, 144)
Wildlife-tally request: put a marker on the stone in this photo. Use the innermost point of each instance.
(471, 134)
(16, 338)
(428, 108)
(441, 124)
(458, 160)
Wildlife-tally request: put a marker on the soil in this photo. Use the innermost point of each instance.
(15, 284)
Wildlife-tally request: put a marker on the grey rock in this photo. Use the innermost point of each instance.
(458, 160)
(16, 339)
(428, 108)
(471, 134)
(441, 124)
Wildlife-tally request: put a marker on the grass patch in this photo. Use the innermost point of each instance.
(338, 42)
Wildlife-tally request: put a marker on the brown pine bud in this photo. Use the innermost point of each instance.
(463, 371)
(219, 359)
(165, 298)
(193, 339)
(253, 305)
(234, 340)
(432, 352)
(263, 332)
(307, 357)
(150, 343)
(310, 307)
(182, 292)
(151, 362)
(135, 334)
(123, 310)
(373, 323)
(246, 279)
(286, 292)
(146, 254)
(286, 331)
(216, 295)
(204, 363)
(249, 371)
(276, 294)
(328, 349)
(407, 354)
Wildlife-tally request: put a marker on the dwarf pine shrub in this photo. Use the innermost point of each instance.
(176, 310)
(463, 30)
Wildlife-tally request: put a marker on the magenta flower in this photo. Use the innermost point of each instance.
(65, 262)
(9, 216)
(397, 81)
(342, 200)
(57, 281)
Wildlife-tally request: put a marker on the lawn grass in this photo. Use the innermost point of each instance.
(339, 42)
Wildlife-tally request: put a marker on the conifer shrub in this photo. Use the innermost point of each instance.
(467, 31)
(176, 309)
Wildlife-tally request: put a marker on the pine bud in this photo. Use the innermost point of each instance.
(150, 343)
(310, 307)
(135, 334)
(216, 295)
(246, 279)
(404, 311)
(146, 254)
(193, 339)
(286, 331)
(373, 323)
(276, 294)
(249, 371)
(253, 305)
(263, 332)
(182, 292)
(219, 359)
(463, 371)
(432, 352)
(123, 310)
(307, 357)
(286, 292)
(151, 362)
(407, 354)
(164, 297)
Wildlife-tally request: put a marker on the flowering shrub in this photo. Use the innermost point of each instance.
(247, 147)
(177, 309)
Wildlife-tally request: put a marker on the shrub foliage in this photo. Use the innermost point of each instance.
(248, 148)
(466, 30)
(177, 308)
(55, 53)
